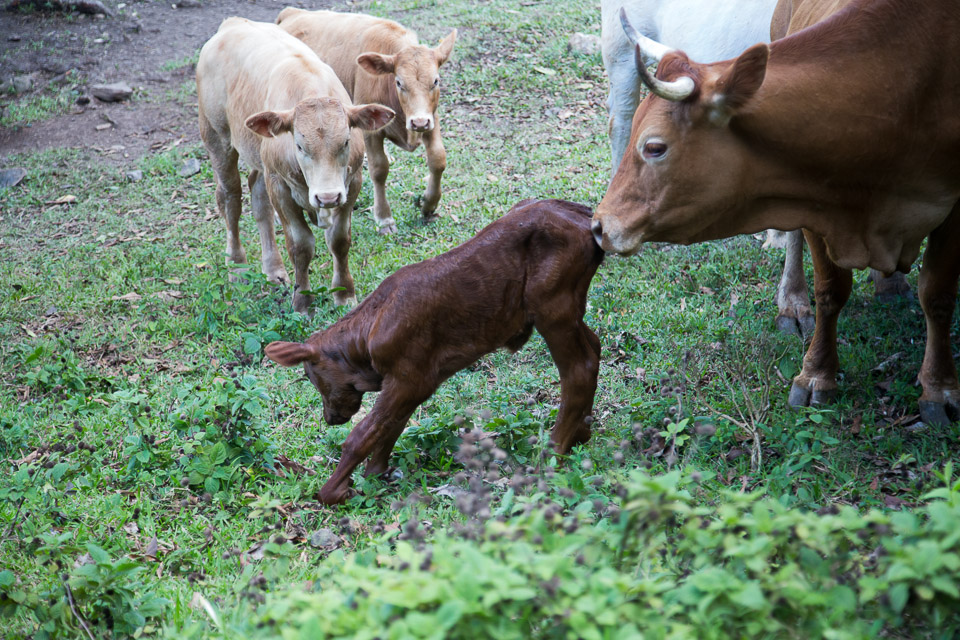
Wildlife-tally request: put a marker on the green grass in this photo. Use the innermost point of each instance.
(151, 381)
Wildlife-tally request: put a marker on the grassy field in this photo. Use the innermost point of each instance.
(156, 462)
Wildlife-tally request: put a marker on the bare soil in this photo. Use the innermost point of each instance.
(140, 44)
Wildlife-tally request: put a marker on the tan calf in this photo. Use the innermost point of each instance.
(381, 62)
(266, 98)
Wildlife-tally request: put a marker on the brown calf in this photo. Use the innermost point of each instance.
(530, 269)
(381, 62)
(304, 153)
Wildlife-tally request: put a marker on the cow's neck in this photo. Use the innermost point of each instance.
(348, 338)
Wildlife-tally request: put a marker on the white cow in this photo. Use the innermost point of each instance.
(707, 30)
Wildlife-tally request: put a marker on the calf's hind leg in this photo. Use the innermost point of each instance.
(576, 352)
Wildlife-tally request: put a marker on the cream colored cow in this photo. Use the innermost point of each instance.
(267, 99)
(379, 61)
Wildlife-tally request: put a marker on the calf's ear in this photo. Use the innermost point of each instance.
(370, 117)
(290, 354)
(445, 48)
(270, 123)
(377, 63)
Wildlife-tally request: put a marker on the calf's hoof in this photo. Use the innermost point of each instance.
(334, 495)
(427, 208)
(801, 395)
(344, 298)
(802, 325)
(278, 276)
(387, 226)
(303, 304)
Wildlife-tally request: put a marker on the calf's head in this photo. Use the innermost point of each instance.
(685, 172)
(340, 385)
(321, 132)
(416, 72)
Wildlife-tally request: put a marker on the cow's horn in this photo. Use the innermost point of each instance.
(646, 49)
(651, 49)
(674, 90)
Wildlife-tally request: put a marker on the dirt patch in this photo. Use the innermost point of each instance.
(140, 44)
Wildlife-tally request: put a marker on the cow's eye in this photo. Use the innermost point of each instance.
(399, 84)
(299, 148)
(654, 149)
(436, 82)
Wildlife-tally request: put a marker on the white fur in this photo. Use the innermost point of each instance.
(706, 30)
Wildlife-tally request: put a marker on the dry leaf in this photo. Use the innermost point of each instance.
(545, 71)
(129, 297)
(67, 199)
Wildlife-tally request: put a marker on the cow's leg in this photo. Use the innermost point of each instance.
(270, 260)
(436, 163)
(300, 241)
(940, 401)
(223, 159)
(817, 381)
(338, 240)
(576, 352)
(379, 166)
(383, 424)
(794, 315)
(621, 104)
(890, 288)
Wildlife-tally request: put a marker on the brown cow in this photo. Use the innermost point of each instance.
(793, 297)
(379, 61)
(304, 153)
(849, 129)
(531, 268)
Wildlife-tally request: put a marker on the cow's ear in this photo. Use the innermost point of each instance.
(377, 63)
(445, 48)
(370, 117)
(270, 123)
(740, 82)
(290, 354)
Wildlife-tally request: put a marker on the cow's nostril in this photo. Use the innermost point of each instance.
(597, 230)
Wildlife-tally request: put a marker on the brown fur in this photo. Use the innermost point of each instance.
(530, 269)
(853, 135)
(370, 55)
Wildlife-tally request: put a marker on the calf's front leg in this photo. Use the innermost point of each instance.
(338, 240)
(300, 241)
(436, 163)
(817, 381)
(271, 262)
(377, 432)
(379, 166)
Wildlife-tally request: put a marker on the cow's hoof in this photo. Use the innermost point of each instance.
(892, 288)
(802, 326)
(387, 226)
(939, 413)
(802, 396)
